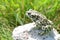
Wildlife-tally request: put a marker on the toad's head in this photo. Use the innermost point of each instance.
(34, 15)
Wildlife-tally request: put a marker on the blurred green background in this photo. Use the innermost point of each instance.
(12, 14)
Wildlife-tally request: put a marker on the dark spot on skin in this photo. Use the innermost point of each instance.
(43, 24)
(34, 20)
(38, 17)
(33, 16)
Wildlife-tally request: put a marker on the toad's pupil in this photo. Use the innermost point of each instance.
(29, 13)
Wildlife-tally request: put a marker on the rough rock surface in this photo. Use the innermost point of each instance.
(28, 32)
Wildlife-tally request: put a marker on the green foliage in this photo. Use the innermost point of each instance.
(12, 14)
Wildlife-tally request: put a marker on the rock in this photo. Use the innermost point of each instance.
(29, 32)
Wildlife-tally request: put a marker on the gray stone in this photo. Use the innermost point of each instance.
(28, 32)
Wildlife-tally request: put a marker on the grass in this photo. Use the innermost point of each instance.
(12, 14)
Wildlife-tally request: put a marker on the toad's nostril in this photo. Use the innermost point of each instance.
(29, 13)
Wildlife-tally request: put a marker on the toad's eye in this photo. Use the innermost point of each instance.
(29, 13)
